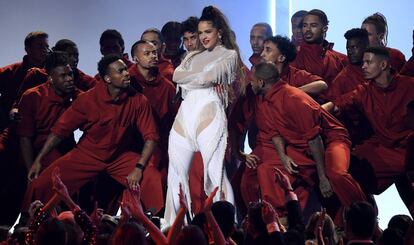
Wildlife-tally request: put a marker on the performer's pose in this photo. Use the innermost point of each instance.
(201, 123)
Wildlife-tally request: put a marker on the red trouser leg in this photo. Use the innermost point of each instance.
(386, 162)
(237, 190)
(337, 156)
(152, 188)
(249, 186)
(76, 168)
(196, 183)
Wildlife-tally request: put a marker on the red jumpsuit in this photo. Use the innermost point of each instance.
(160, 94)
(356, 123)
(260, 182)
(386, 111)
(320, 60)
(40, 107)
(297, 118)
(108, 127)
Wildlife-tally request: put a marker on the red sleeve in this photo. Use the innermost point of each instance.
(87, 82)
(73, 118)
(27, 109)
(145, 121)
(302, 77)
(335, 88)
(353, 98)
(33, 78)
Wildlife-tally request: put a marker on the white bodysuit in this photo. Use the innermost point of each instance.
(200, 124)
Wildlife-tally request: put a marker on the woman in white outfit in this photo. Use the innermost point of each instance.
(201, 124)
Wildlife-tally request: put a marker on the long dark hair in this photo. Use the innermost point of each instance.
(219, 21)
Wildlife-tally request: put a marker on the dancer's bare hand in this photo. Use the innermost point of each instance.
(34, 170)
(251, 160)
(134, 178)
(289, 164)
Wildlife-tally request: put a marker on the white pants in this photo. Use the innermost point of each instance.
(200, 125)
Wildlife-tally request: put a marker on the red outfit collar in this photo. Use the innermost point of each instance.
(103, 94)
(255, 59)
(317, 48)
(54, 97)
(142, 81)
(274, 89)
(392, 86)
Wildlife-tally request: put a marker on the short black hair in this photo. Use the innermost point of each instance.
(224, 213)
(34, 35)
(189, 25)
(400, 222)
(136, 45)
(171, 29)
(105, 62)
(267, 72)
(299, 14)
(55, 59)
(156, 31)
(361, 219)
(285, 46)
(112, 34)
(63, 44)
(379, 50)
(269, 31)
(391, 237)
(357, 33)
(322, 16)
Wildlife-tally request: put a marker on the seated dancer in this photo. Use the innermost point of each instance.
(300, 128)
